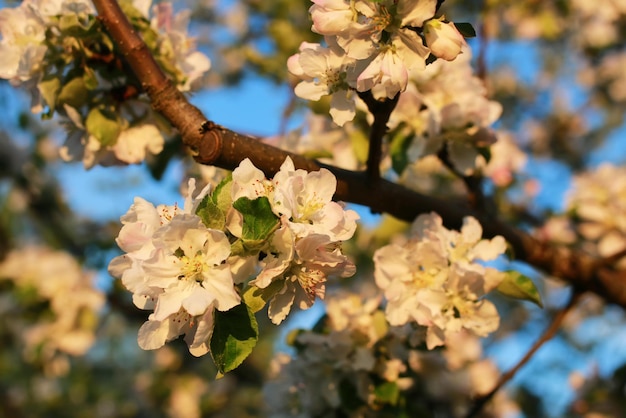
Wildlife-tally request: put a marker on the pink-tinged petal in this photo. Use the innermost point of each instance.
(342, 107)
(119, 265)
(311, 90)
(434, 337)
(153, 334)
(294, 67)
(134, 236)
(281, 303)
(443, 39)
(415, 12)
(489, 249)
(198, 301)
(411, 49)
(218, 282)
(217, 248)
(171, 300)
(199, 340)
(162, 269)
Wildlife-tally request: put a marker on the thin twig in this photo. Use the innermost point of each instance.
(550, 332)
(473, 182)
(381, 110)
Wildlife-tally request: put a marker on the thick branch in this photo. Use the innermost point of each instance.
(216, 145)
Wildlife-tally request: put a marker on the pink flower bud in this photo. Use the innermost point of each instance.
(443, 39)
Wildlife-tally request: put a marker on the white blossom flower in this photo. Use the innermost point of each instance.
(176, 266)
(177, 45)
(599, 199)
(21, 47)
(325, 72)
(135, 142)
(434, 279)
(304, 201)
(305, 249)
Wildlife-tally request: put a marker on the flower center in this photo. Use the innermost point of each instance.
(192, 268)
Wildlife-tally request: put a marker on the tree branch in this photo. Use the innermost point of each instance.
(381, 110)
(224, 148)
(548, 334)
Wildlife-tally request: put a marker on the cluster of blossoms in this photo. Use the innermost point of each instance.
(446, 105)
(58, 51)
(436, 280)
(598, 199)
(275, 240)
(353, 364)
(55, 288)
(599, 22)
(371, 46)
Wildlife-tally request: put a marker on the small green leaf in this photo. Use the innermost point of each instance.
(485, 152)
(235, 335)
(74, 93)
(466, 29)
(89, 78)
(387, 393)
(212, 217)
(222, 196)
(49, 89)
(74, 25)
(360, 145)
(258, 219)
(398, 150)
(103, 124)
(518, 286)
(256, 298)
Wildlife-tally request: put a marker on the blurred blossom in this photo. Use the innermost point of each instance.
(598, 198)
(55, 278)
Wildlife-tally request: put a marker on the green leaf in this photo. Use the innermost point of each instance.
(214, 207)
(360, 145)
(387, 393)
(485, 152)
(212, 216)
(74, 93)
(466, 29)
(259, 222)
(222, 196)
(70, 25)
(518, 286)
(89, 78)
(49, 89)
(398, 150)
(235, 335)
(103, 124)
(256, 298)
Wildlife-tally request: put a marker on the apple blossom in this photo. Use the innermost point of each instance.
(325, 72)
(434, 279)
(175, 265)
(599, 200)
(305, 249)
(443, 39)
